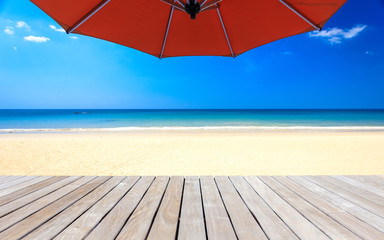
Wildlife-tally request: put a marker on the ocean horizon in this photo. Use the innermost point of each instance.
(189, 118)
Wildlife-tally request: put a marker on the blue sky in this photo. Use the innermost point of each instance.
(340, 67)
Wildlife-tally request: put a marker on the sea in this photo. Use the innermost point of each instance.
(131, 119)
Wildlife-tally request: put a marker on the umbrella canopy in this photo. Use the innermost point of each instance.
(168, 28)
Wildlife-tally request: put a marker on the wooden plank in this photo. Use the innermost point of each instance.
(354, 224)
(111, 225)
(22, 201)
(62, 220)
(15, 182)
(217, 220)
(30, 189)
(246, 227)
(296, 222)
(373, 181)
(9, 179)
(192, 217)
(4, 179)
(29, 209)
(357, 211)
(165, 224)
(327, 224)
(373, 193)
(272, 225)
(344, 193)
(378, 177)
(140, 222)
(33, 221)
(342, 207)
(80, 228)
(22, 185)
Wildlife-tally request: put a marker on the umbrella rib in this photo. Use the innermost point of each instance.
(181, 3)
(225, 32)
(299, 14)
(166, 32)
(202, 3)
(88, 15)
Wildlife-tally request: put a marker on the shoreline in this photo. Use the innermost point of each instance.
(214, 129)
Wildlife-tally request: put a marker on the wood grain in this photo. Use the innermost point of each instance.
(354, 224)
(246, 227)
(27, 199)
(294, 207)
(321, 220)
(58, 223)
(216, 218)
(29, 209)
(165, 224)
(111, 225)
(192, 224)
(342, 203)
(86, 222)
(272, 225)
(33, 221)
(29, 189)
(15, 182)
(357, 199)
(140, 222)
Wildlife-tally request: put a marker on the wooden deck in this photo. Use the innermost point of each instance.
(299, 207)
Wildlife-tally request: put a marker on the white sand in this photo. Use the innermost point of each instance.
(192, 153)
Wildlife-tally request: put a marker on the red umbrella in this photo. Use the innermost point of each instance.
(168, 28)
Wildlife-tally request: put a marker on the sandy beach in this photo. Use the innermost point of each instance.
(192, 153)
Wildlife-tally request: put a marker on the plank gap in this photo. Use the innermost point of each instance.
(341, 212)
(81, 214)
(111, 208)
(344, 197)
(50, 203)
(202, 204)
(226, 210)
(294, 207)
(138, 203)
(261, 227)
(272, 209)
(181, 205)
(63, 209)
(75, 179)
(157, 209)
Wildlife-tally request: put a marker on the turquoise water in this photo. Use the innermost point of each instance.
(41, 119)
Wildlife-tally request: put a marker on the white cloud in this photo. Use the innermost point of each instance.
(56, 29)
(336, 35)
(334, 40)
(15, 48)
(22, 24)
(9, 30)
(327, 33)
(73, 37)
(351, 33)
(37, 39)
